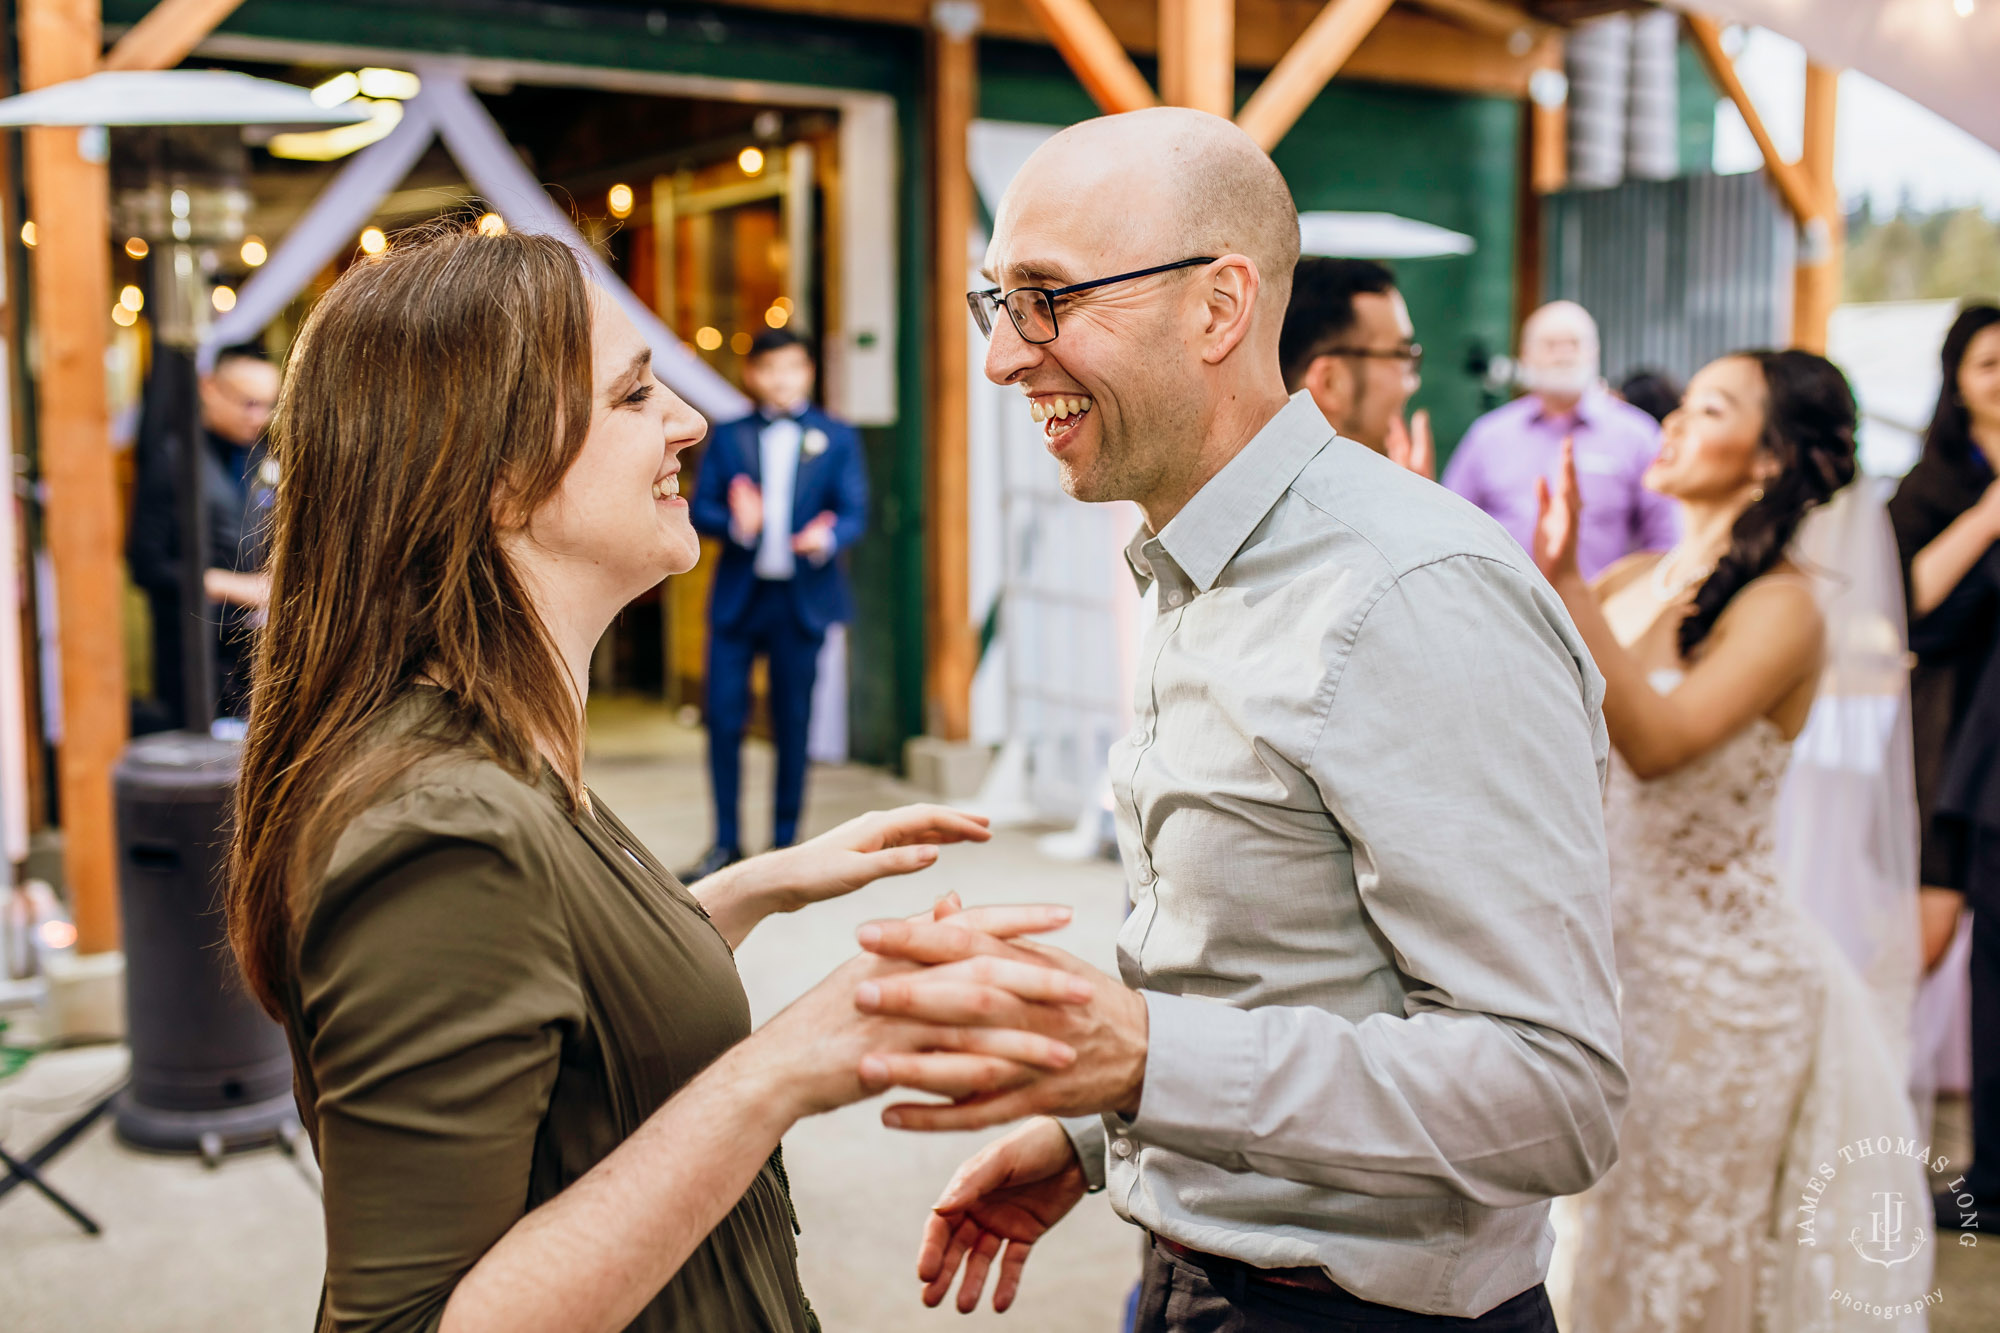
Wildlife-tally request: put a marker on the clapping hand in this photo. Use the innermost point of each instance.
(1411, 446)
(1558, 520)
(815, 539)
(746, 508)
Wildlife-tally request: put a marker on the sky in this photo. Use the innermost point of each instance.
(1885, 146)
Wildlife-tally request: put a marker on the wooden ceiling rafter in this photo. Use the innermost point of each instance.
(1793, 185)
(1094, 54)
(1304, 72)
(168, 33)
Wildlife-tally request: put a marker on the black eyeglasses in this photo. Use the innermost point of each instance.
(1410, 352)
(1033, 309)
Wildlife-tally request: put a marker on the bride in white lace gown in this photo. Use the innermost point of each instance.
(1748, 1042)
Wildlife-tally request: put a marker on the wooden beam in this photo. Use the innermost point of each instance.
(1303, 73)
(1822, 240)
(1409, 46)
(170, 30)
(1094, 54)
(953, 649)
(1791, 182)
(1198, 55)
(1489, 16)
(69, 199)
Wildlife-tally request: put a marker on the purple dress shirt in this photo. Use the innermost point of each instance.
(1496, 464)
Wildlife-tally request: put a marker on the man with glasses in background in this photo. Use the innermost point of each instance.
(1348, 342)
(1365, 1026)
(1495, 466)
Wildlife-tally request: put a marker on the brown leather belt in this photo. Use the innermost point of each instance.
(1298, 1279)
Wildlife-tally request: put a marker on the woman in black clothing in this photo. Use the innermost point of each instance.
(1947, 519)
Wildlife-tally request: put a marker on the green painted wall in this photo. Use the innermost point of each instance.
(1361, 147)
(1698, 98)
(888, 636)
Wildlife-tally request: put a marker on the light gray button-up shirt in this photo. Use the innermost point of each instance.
(1360, 812)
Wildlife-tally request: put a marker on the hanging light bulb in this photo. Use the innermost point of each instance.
(123, 317)
(619, 200)
(223, 298)
(254, 252)
(708, 338)
(492, 224)
(28, 236)
(373, 242)
(132, 298)
(751, 160)
(136, 247)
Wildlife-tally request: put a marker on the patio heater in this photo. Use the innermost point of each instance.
(210, 1071)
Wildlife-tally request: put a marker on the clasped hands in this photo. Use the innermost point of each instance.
(960, 1004)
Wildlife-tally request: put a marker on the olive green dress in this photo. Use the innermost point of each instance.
(490, 995)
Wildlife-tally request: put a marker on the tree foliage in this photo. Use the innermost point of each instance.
(1912, 256)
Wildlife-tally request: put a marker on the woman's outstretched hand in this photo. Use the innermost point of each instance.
(875, 846)
(1558, 520)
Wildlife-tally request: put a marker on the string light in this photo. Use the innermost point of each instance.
(254, 251)
(132, 298)
(28, 236)
(223, 298)
(373, 242)
(708, 338)
(777, 317)
(397, 83)
(619, 200)
(739, 343)
(136, 247)
(751, 160)
(123, 317)
(338, 89)
(492, 224)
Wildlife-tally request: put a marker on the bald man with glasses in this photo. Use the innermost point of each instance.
(1364, 1026)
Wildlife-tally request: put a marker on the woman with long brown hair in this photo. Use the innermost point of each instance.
(522, 1050)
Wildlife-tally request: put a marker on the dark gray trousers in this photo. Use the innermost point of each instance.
(1179, 1295)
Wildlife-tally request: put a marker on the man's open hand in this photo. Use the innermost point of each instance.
(1008, 1194)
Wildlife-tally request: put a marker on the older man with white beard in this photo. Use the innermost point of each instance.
(1503, 453)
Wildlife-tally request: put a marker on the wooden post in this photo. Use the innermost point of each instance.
(1094, 54)
(1822, 237)
(69, 199)
(1790, 181)
(953, 648)
(1198, 55)
(1303, 73)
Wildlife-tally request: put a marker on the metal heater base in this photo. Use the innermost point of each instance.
(273, 1121)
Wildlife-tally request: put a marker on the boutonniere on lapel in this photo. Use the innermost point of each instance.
(813, 443)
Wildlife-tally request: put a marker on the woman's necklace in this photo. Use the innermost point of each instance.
(1667, 590)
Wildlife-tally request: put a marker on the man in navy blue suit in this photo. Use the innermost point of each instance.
(786, 489)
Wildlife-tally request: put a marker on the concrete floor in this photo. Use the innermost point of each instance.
(190, 1250)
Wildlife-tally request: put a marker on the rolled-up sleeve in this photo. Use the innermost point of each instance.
(1461, 756)
(438, 998)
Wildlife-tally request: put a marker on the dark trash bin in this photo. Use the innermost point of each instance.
(210, 1070)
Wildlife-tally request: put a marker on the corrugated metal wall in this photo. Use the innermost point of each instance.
(1676, 272)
